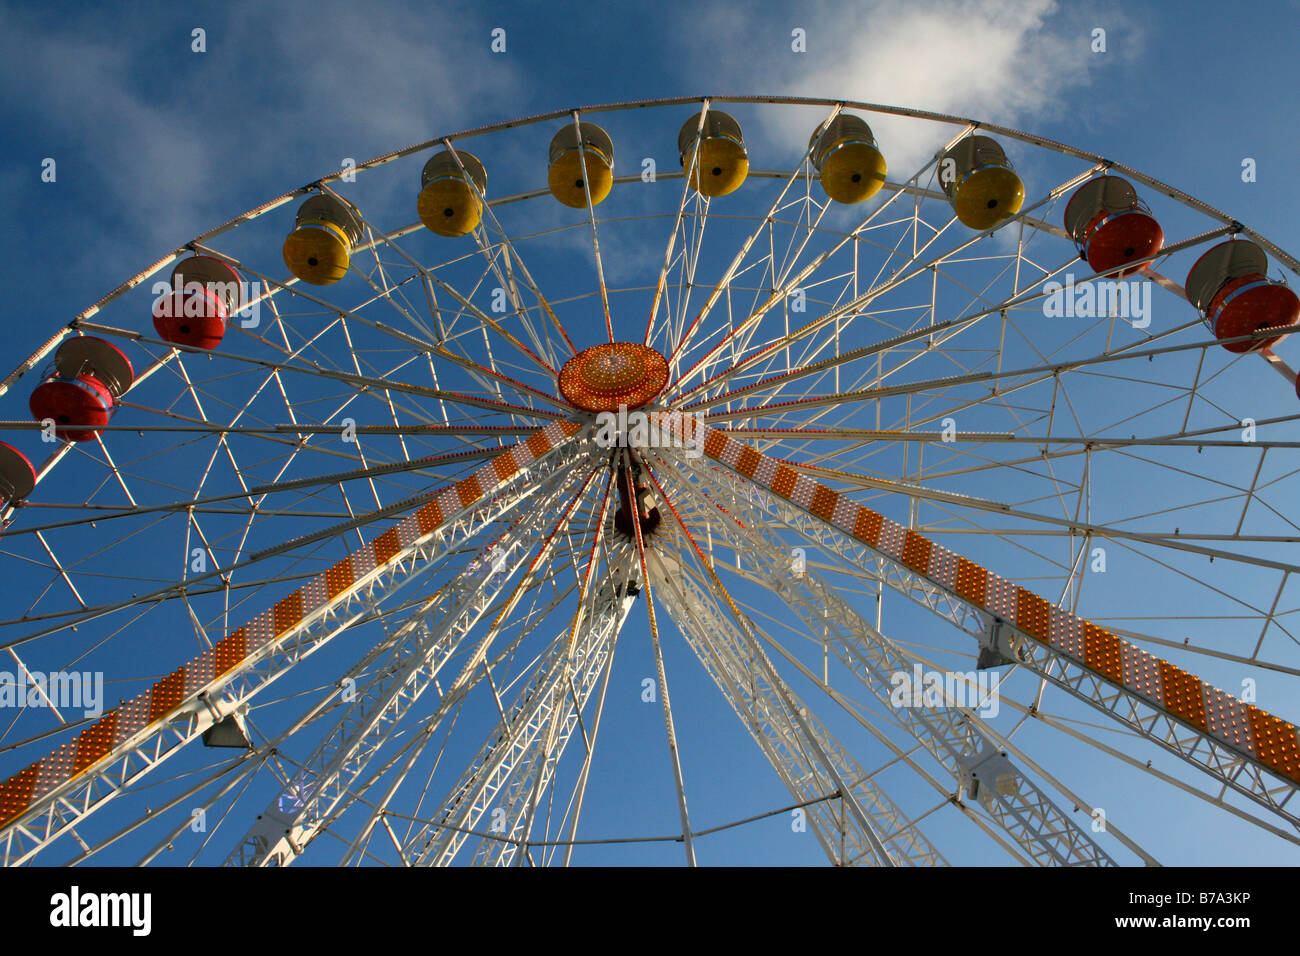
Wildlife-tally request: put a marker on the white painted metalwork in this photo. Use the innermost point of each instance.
(883, 350)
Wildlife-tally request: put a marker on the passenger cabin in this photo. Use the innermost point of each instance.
(325, 232)
(79, 392)
(713, 154)
(1111, 227)
(1229, 286)
(205, 293)
(450, 187)
(980, 182)
(580, 165)
(848, 162)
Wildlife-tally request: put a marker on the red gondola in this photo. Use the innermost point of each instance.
(17, 476)
(1228, 284)
(79, 393)
(205, 293)
(1111, 226)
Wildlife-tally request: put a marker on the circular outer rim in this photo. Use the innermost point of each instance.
(1288, 261)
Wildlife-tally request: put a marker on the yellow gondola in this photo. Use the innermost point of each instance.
(568, 158)
(320, 247)
(449, 203)
(845, 155)
(721, 164)
(981, 182)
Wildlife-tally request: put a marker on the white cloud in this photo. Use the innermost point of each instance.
(161, 143)
(1000, 62)
(157, 144)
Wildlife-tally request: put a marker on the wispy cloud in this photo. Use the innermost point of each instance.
(987, 59)
(162, 142)
(156, 143)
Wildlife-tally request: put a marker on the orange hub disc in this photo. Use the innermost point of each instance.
(603, 377)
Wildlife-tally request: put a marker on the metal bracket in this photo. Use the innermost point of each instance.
(1000, 645)
(986, 772)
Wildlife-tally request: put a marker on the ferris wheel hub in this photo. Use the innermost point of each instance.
(606, 377)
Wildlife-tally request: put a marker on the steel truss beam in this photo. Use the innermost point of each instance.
(518, 807)
(804, 754)
(535, 769)
(424, 643)
(51, 797)
(471, 675)
(955, 736)
(570, 668)
(1241, 746)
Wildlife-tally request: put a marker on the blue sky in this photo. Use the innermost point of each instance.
(155, 143)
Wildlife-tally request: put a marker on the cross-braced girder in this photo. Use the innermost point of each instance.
(953, 735)
(50, 797)
(543, 698)
(423, 645)
(802, 751)
(1239, 745)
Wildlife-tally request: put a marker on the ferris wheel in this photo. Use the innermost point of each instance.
(967, 486)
